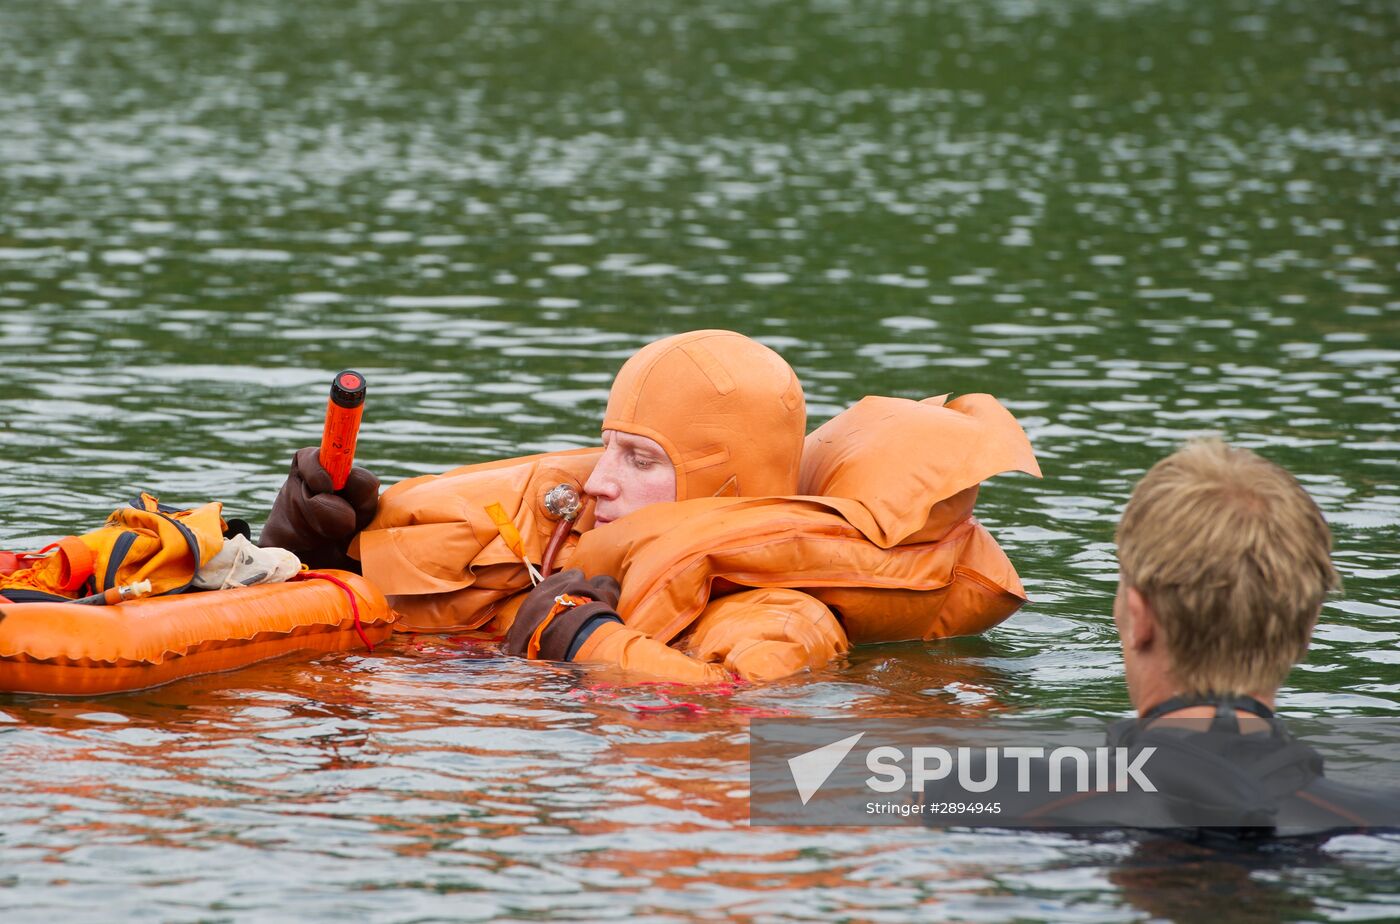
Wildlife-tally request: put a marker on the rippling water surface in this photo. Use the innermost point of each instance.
(1132, 220)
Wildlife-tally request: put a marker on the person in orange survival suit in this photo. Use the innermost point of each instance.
(696, 416)
(724, 568)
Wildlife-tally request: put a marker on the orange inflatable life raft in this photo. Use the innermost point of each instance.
(71, 649)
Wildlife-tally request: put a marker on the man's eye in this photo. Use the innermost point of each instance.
(642, 463)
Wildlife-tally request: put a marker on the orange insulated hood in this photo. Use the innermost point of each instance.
(727, 410)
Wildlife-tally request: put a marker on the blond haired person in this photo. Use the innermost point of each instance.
(1224, 565)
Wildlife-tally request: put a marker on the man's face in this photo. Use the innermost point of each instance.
(633, 473)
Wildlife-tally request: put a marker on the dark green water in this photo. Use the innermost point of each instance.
(1132, 221)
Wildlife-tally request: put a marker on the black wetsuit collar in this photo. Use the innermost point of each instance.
(1225, 706)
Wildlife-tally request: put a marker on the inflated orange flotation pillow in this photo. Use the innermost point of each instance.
(76, 650)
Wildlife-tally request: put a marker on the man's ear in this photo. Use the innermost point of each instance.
(1142, 621)
(1312, 627)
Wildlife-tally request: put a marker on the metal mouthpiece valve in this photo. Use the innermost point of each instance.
(563, 502)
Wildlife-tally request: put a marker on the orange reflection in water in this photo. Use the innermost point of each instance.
(437, 760)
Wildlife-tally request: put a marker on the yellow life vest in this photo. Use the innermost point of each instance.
(146, 541)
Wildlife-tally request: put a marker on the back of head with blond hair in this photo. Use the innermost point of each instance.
(1235, 559)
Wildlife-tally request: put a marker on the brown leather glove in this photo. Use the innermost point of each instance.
(315, 522)
(571, 624)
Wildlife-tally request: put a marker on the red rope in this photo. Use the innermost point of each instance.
(354, 603)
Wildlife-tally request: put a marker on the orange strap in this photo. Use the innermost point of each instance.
(76, 562)
(561, 603)
(80, 561)
(511, 535)
(507, 529)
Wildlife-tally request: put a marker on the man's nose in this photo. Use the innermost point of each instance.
(601, 483)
